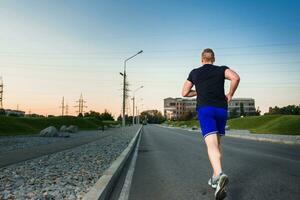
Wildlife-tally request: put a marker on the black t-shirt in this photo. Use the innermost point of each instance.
(209, 82)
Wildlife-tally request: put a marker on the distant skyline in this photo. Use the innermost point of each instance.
(51, 49)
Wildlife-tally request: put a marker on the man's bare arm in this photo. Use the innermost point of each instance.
(234, 82)
(187, 89)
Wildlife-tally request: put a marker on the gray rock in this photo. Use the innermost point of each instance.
(18, 180)
(71, 197)
(51, 131)
(72, 129)
(63, 128)
(194, 128)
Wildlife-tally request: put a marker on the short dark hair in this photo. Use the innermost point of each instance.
(208, 55)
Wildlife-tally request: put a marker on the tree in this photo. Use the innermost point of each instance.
(101, 116)
(233, 113)
(189, 115)
(286, 110)
(257, 112)
(152, 116)
(2, 112)
(242, 112)
(92, 114)
(119, 119)
(106, 116)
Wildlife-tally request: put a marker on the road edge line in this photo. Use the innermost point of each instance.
(102, 188)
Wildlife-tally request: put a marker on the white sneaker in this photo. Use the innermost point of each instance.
(223, 181)
(212, 183)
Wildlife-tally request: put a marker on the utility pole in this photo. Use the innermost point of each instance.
(81, 105)
(124, 86)
(133, 110)
(1, 93)
(62, 106)
(133, 99)
(137, 115)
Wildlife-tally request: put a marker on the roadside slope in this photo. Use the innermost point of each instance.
(268, 124)
(26, 125)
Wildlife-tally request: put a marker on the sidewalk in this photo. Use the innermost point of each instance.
(245, 134)
(284, 139)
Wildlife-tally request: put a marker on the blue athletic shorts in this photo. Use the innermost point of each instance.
(212, 120)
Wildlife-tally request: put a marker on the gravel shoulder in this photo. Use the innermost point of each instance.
(66, 174)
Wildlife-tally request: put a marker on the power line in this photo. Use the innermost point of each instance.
(59, 67)
(155, 50)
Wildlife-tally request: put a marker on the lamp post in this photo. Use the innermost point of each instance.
(133, 99)
(139, 111)
(124, 86)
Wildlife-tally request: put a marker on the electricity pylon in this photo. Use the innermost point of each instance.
(62, 106)
(80, 105)
(1, 93)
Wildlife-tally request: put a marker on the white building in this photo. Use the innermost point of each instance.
(236, 104)
(174, 108)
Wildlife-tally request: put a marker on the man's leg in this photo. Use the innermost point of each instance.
(220, 148)
(214, 153)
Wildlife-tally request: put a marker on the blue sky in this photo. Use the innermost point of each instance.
(51, 49)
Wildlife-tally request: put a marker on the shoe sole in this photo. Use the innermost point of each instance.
(221, 193)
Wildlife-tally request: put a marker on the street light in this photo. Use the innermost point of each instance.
(138, 111)
(124, 86)
(133, 102)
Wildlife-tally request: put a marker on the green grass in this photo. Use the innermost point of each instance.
(268, 124)
(27, 125)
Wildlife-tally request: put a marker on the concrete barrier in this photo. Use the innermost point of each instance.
(103, 187)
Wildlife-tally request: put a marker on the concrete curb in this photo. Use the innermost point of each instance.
(102, 188)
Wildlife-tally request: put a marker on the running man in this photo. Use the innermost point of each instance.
(212, 110)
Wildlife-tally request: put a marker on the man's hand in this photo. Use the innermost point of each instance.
(228, 97)
(234, 82)
(187, 89)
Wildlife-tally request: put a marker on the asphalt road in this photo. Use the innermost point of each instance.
(173, 164)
